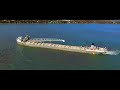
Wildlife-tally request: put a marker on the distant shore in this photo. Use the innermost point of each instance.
(61, 21)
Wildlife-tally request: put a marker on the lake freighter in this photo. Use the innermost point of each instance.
(46, 43)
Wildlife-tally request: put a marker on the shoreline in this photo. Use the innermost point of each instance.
(60, 21)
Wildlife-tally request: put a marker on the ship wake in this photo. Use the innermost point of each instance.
(116, 52)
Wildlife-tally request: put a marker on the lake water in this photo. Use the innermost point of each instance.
(16, 57)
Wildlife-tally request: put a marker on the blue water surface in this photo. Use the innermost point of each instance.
(13, 56)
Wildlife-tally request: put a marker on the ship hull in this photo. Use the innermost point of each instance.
(60, 47)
